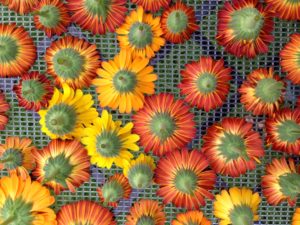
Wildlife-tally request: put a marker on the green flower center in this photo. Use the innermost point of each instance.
(264, 87)
(146, 220)
(124, 81)
(206, 83)
(12, 158)
(108, 144)
(186, 181)
(140, 35)
(68, 63)
(58, 169)
(163, 126)
(33, 90)
(98, 8)
(289, 131)
(177, 21)
(233, 146)
(241, 215)
(16, 212)
(112, 191)
(49, 16)
(290, 184)
(61, 119)
(140, 176)
(9, 49)
(246, 23)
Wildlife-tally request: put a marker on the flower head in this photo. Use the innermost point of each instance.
(191, 218)
(4, 107)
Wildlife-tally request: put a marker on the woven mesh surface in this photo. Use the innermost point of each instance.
(167, 63)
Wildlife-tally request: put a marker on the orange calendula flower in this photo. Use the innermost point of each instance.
(98, 16)
(290, 59)
(256, 95)
(296, 217)
(16, 156)
(178, 23)
(191, 217)
(281, 181)
(146, 211)
(205, 83)
(33, 91)
(20, 6)
(51, 16)
(152, 5)
(232, 147)
(184, 179)
(141, 34)
(124, 81)
(164, 124)
(25, 202)
(245, 28)
(114, 189)
(4, 107)
(283, 131)
(18, 52)
(285, 9)
(62, 165)
(84, 212)
(73, 61)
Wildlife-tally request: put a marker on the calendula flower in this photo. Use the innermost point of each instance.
(184, 179)
(62, 165)
(164, 124)
(19, 6)
(145, 212)
(84, 212)
(296, 217)
(4, 107)
(290, 57)
(281, 181)
(283, 131)
(52, 17)
(152, 5)
(191, 218)
(108, 142)
(33, 91)
(67, 113)
(285, 9)
(237, 206)
(114, 189)
(98, 16)
(178, 23)
(25, 202)
(18, 52)
(232, 147)
(205, 83)
(140, 171)
(256, 95)
(16, 156)
(124, 81)
(73, 61)
(141, 34)
(245, 28)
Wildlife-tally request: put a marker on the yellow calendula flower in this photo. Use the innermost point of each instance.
(108, 142)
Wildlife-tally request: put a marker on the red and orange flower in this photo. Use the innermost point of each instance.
(283, 131)
(285, 9)
(84, 212)
(33, 91)
(245, 27)
(152, 5)
(184, 179)
(146, 211)
(62, 165)
(281, 181)
(164, 124)
(178, 23)
(98, 16)
(73, 61)
(290, 58)
(4, 107)
(256, 95)
(205, 83)
(18, 52)
(232, 147)
(191, 217)
(51, 16)
(19, 6)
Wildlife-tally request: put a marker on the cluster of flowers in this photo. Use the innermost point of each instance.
(160, 123)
